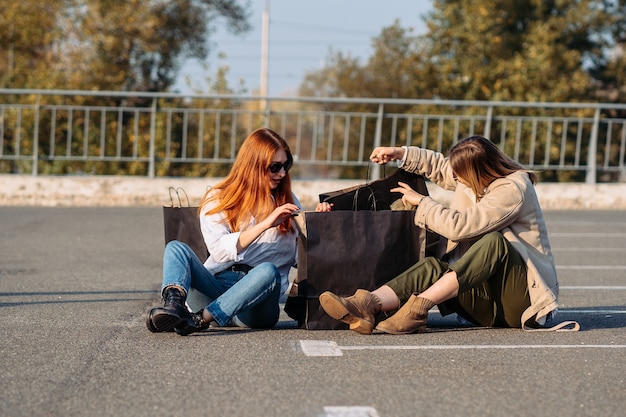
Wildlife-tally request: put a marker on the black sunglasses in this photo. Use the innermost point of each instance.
(275, 167)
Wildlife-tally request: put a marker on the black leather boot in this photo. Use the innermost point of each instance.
(193, 324)
(173, 313)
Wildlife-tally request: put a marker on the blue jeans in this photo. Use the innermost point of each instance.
(246, 300)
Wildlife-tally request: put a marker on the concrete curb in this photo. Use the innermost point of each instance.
(116, 191)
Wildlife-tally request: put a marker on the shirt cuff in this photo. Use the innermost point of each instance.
(401, 162)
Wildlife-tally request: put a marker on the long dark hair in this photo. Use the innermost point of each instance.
(479, 161)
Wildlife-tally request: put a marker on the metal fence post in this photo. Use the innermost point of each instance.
(590, 178)
(267, 111)
(488, 118)
(375, 171)
(152, 162)
(35, 169)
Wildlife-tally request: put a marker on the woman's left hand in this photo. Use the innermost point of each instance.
(276, 217)
(324, 207)
(280, 213)
(408, 194)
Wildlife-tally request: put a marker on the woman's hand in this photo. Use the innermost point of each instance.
(323, 207)
(280, 214)
(382, 155)
(408, 194)
(275, 218)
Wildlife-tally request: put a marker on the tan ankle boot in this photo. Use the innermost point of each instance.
(358, 311)
(411, 318)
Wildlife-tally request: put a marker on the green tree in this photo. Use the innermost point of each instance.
(610, 69)
(29, 31)
(389, 72)
(526, 50)
(129, 45)
(495, 50)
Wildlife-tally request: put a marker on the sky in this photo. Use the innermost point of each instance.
(301, 34)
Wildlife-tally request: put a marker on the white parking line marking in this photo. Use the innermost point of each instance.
(588, 223)
(334, 411)
(594, 267)
(557, 249)
(592, 311)
(320, 348)
(335, 350)
(593, 287)
(597, 234)
(465, 347)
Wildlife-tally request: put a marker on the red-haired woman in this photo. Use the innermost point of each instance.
(247, 227)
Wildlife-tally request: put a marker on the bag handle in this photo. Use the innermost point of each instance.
(369, 165)
(178, 191)
(371, 199)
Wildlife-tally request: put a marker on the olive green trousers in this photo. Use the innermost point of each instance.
(493, 289)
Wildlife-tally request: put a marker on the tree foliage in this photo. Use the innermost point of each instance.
(130, 45)
(390, 71)
(107, 45)
(28, 35)
(521, 50)
(495, 50)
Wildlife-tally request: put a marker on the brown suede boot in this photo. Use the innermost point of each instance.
(358, 311)
(411, 318)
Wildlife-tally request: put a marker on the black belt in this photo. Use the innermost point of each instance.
(240, 268)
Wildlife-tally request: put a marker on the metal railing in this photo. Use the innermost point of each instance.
(165, 134)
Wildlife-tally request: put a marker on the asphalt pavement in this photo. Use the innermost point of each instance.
(76, 283)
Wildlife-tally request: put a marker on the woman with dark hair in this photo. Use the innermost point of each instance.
(495, 266)
(246, 222)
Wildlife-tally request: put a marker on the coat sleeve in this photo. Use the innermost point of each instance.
(432, 165)
(499, 207)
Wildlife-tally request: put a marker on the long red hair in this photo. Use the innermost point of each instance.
(245, 192)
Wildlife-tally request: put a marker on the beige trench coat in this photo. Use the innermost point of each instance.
(509, 206)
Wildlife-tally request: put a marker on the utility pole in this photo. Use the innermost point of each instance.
(265, 50)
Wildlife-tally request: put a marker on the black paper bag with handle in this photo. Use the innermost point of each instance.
(374, 195)
(344, 250)
(181, 222)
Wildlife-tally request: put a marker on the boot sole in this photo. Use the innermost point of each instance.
(336, 310)
(421, 329)
(163, 321)
(150, 325)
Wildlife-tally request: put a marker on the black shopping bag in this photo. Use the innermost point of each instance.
(374, 195)
(377, 195)
(183, 224)
(344, 250)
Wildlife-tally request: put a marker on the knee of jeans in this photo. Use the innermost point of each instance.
(178, 248)
(174, 246)
(270, 270)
